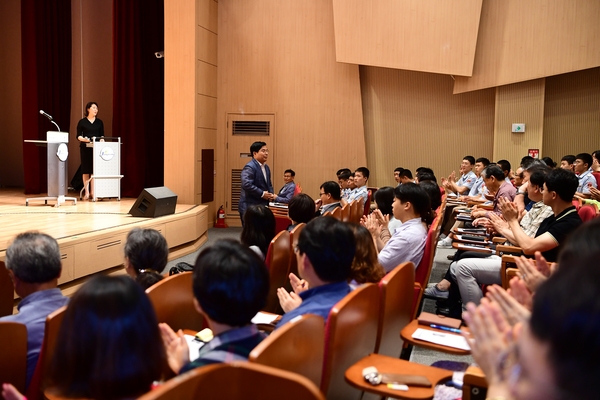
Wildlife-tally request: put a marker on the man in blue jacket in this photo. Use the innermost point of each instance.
(256, 179)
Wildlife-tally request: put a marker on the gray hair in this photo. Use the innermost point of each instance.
(34, 257)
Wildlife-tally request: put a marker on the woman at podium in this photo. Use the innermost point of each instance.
(88, 128)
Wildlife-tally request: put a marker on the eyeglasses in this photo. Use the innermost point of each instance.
(321, 194)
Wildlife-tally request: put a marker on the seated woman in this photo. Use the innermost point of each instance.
(412, 207)
(433, 191)
(365, 267)
(259, 229)
(384, 198)
(146, 256)
(301, 209)
(109, 345)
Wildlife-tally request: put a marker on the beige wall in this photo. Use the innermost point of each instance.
(278, 57)
(572, 114)
(11, 130)
(412, 119)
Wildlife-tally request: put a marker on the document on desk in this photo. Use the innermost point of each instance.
(264, 318)
(194, 346)
(444, 339)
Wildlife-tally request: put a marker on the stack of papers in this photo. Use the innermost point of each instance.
(444, 339)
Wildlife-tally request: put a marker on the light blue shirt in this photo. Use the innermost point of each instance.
(406, 244)
(477, 188)
(584, 179)
(467, 180)
(357, 194)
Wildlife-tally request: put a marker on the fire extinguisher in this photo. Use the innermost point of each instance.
(220, 222)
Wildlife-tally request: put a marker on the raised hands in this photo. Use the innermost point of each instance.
(514, 312)
(533, 273)
(178, 353)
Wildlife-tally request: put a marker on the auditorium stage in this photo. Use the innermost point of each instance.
(91, 234)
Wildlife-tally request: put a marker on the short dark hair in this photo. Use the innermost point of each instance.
(538, 177)
(343, 171)
(596, 153)
(290, 171)
(230, 283)
(582, 243)
(570, 159)
(586, 158)
(433, 191)
(495, 171)
(332, 188)
(406, 173)
(345, 174)
(109, 345)
(256, 146)
(34, 257)
(549, 162)
(505, 166)
(566, 318)
(416, 195)
(301, 208)
(563, 182)
(526, 160)
(483, 160)
(364, 171)
(259, 227)
(330, 247)
(88, 106)
(470, 159)
(425, 170)
(384, 197)
(425, 176)
(146, 249)
(399, 169)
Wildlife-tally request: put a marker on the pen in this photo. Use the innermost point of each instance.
(444, 328)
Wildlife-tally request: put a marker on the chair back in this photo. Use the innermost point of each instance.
(278, 262)
(396, 308)
(423, 271)
(236, 380)
(297, 190)
(356, 211)
(587, 213)
(337, 213)
(367, 209)
(350, 334)
(281, 223)
(294, 235)
(597, 176)
(296, 347)
(51, 330)
(173, 302)
(346, 213)
(13, 347)
(6, 292)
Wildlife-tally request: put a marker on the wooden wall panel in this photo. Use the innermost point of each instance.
(412, 119)
(11, 144)
(519, 103)
(524, 40)
(279, 57)
(180, 98)
(417, 35)
(572, 114)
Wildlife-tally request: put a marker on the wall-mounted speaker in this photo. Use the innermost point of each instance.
(154, 202)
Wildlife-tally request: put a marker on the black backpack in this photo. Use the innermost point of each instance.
(181, 267)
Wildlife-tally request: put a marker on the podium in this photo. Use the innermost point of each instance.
(58, 152)
(106, 175)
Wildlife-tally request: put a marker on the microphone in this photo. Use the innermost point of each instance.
(46, 115)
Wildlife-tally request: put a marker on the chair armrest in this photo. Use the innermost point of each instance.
(474, 384)
(498, 239)
(502, 250)
(508, 263)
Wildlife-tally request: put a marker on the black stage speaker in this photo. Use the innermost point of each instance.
(154, 202)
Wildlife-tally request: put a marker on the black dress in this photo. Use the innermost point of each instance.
(89, 130)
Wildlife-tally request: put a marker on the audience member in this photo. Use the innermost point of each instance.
(384, 198)
(549, 162)
(583, 168)
(230, 286)
(478, 190)
(505, 167)
(495, 181)
(34, 265)
(406, 176)
(287, 191)
(425, 174)
(258, 230)
(108, 346)
(345, 179)
(365, 266)
(433, 191)
(567, 162)
(146, 256)
(397, 172)
(329, 198)
(466, 181)
(325, 250)
(361, 176)
(595, 161)
(412, 207)
(300, 210)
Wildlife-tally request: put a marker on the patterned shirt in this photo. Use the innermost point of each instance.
(584, 179)
(477, 188)
(232, 345)
(532, 220)
(357, 194)
(467, 180)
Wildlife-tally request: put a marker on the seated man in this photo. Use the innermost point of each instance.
(397, 172)
(287, 191)
(567, 162)
(346, 181)
(466, 181)
(557, 193)
(495, 181)
(583, 168)
(329, 198)
(361, 177)
(34, 265)
(324, 252)
(230, 286)
(406, 176)
(477, 191)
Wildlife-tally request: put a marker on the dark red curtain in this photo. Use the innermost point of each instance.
(138, 92)
(46, 68)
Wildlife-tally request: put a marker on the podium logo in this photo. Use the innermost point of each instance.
(107, 153)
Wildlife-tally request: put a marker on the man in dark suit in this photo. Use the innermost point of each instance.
(256, 179)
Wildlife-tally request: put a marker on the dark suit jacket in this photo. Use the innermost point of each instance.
(253, 185)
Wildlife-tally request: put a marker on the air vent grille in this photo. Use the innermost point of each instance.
(253, 128)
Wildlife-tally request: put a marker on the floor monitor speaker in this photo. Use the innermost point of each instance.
(154, 202)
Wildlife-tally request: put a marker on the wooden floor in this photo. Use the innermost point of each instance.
(66, 221)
